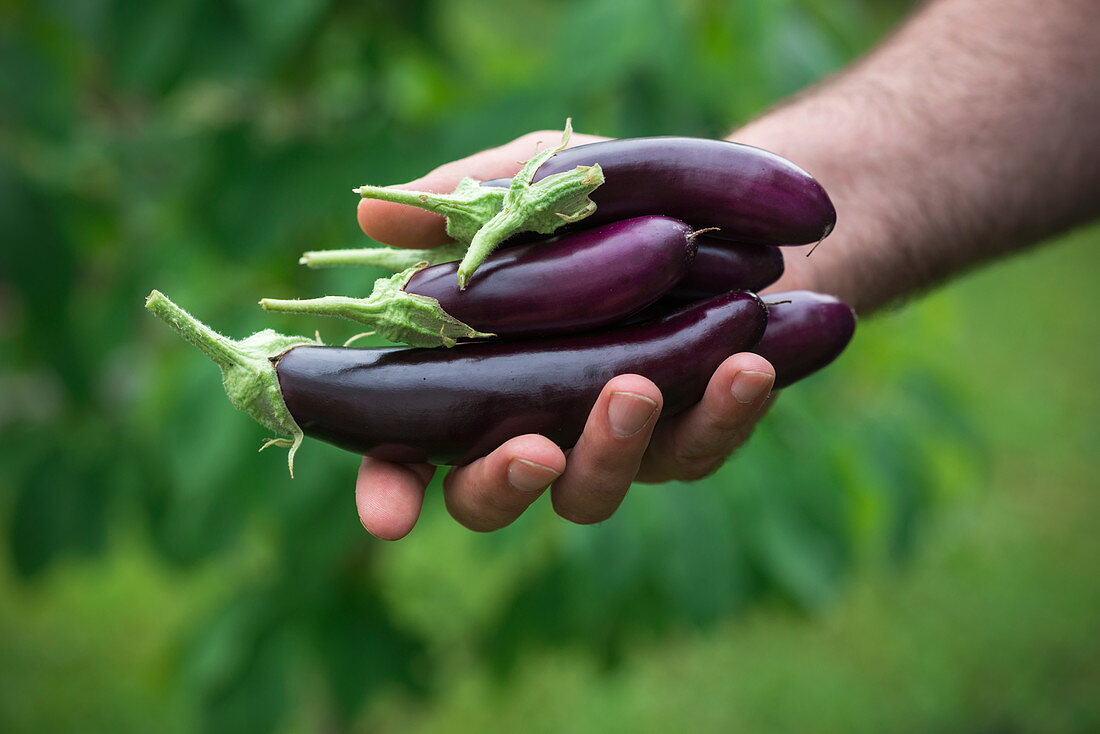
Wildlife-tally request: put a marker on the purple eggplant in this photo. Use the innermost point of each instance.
(578, 281)
(806, 331)
(749, 194)
(574, 282)
(722, 266)
(454, 406)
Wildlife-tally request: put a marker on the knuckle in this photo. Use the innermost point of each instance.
(687, 453)
(693, 461)
(726, 423)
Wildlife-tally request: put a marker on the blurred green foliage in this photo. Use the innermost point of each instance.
(158, 573)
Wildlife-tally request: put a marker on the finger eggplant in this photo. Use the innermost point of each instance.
(750, 194)
(746, 194)
(721, 266)
(454, 406)
(806, 331)
(575, 282)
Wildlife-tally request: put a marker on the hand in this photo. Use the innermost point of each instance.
(622, 440)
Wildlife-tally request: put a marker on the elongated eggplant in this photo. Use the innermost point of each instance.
(452, 407)
(579, 281)
(721, 266)
(575, 282)
(750, 194)
(806, 331)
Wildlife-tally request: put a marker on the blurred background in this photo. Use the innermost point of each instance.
(907, 544)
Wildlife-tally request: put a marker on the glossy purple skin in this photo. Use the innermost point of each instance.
(577, 281)
(721, 266)
(750, 194)
(804, 335)
(451, 406)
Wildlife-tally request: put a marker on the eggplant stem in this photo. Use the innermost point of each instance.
(391, 311)
(222, 350)
(247, 367)
(363, 308)
(698, 232)
(817, 243)
(390, 258)
(395, 195)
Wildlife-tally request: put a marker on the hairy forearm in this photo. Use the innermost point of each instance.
(972, 132)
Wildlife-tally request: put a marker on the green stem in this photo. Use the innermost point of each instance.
(247, 366)
(390, 258)
(221, 349)
(363, 310)
(421, 199)
(393, 312)
(466, 208)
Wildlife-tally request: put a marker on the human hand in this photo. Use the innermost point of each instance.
(623, 440)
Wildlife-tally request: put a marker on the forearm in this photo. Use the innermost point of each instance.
(972, 132)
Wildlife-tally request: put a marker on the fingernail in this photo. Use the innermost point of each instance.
(527, 476)
(629, 413)
(749, 386)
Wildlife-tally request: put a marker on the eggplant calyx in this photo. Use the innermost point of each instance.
(540, 207)
(389, 258)
(248, 369)
(393, 312)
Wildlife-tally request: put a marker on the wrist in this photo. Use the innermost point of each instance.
(856, 262)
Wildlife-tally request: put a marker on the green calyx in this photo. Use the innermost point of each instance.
(248, 369)
(389, 258)
(485, 216)
(535, 207)
(391, 311)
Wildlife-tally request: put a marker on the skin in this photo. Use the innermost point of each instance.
(970, 133)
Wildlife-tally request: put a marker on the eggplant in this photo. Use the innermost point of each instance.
(453, 406)
(743, 193)
(415, 405)
(574, 282)
(721, 266)
(806, 331)
(749, 194)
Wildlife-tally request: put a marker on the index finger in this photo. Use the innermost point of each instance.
(405, 226)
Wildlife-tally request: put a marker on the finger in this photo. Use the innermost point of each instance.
(603, 463)
(694, 444)
(389, 496)
(407, 226)
(493, 491)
